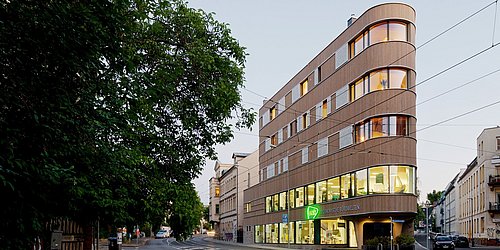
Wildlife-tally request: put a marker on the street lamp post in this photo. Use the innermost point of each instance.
(427, 205)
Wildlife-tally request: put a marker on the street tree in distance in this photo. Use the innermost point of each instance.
(108, 110)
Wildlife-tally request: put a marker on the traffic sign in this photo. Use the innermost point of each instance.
(284, 218)
(398, 221)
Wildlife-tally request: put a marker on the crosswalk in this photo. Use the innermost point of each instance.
(193, 244)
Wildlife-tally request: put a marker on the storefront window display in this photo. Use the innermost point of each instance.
(333, 232)
(305, 232)
(259, 234)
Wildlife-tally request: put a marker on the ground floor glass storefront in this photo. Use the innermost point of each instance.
(324, 231)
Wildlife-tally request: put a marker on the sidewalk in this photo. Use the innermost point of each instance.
(103, 243)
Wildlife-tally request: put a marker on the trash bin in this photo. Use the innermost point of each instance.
(113, 244)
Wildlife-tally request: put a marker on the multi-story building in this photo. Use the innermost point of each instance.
(338, 147)
(451, 198)
(479, 187)
(445, 212)
(214, 203)
(242, 174)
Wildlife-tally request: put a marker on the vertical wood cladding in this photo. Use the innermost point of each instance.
(391, 150)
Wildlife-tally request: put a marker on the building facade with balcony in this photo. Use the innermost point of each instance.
(337, 142)
(242, 174)
(479, 187)
(214, 200)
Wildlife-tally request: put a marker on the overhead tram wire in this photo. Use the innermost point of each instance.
(418, 84)
(346, 121)
(494, 23)
(439, 73)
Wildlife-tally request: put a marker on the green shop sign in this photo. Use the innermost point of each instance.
(312, 212)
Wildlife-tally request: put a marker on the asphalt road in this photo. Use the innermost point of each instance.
(195, 243)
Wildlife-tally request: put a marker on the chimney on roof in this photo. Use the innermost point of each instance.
(351, 20)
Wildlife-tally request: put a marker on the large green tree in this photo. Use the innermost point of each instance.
(108, 110)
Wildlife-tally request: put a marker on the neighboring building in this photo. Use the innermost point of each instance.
(479, 187)
(337, 142)
(214, 203)
(242, 174)
(451, 199)
(445, 212)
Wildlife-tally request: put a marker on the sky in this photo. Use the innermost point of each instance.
(281, 37)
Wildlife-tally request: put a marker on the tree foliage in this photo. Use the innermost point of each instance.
(434, 196)
(108, 110)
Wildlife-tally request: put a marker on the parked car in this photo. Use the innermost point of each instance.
(161, 234)
(461, 241)
(442, 241)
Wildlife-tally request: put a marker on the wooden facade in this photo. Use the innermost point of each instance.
(381, 151)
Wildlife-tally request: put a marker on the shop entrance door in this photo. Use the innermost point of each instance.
(372, 230)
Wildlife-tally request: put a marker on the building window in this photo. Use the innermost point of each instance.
(378, 33)
(381, 126)
(397, 31)
(346, 186)
(378, 180)
(292, 198)
(292, 128)
(274, 140)
(217, 208)
(276, 202)
(299, 197)
(310, 194)
(379, 80)
(272, 113)
(305, 232)
(321, 192)
(361, 183)
(333, 232)
(324, 109)
(305, 155)
(248, 207)
(381, 32)
(392, 78)
(402, 179)
(398, 78)
(323, 147)
(345, 137)
(283, 205)
(269, 204)
(285, 232)
(267, 144)
(270, 171)
(319, 74)
(333, 186)
(303, 88)
(273, 233)
(217, 191)
(498, 142)
(259, 234)
(285, 164)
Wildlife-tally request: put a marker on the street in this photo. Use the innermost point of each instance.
(421, 239)
(197, 242)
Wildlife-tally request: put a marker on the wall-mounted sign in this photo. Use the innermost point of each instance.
(341, 209)
(312, 212)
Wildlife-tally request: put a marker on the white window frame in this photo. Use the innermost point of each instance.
(295, 93)
(285, 163)
(305, 154)
(345, 137)
(270, 171)
(342, 96)
(267, 144)
(322, 147)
